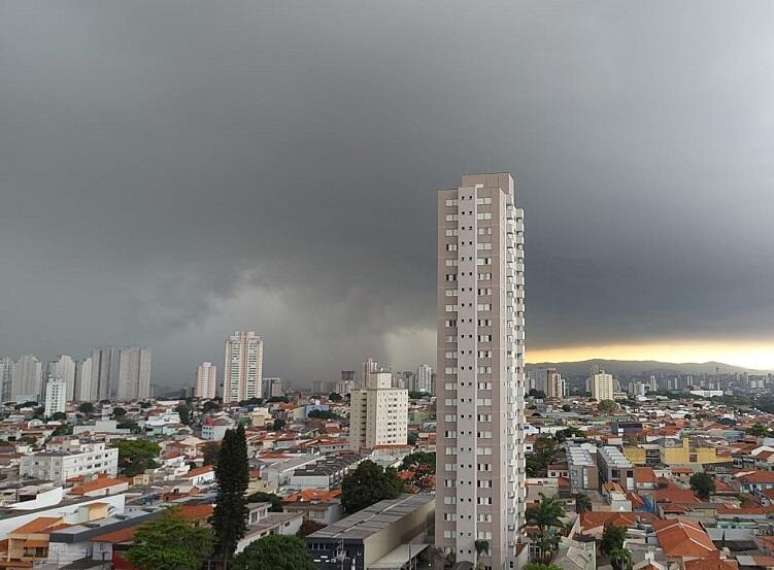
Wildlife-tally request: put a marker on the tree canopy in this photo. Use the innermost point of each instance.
(419, 459)
(170, 543)
(137, 455)
(369, 484)
(229, 520)
(86, 408)
(703, 485)
(276, 552)
(261, 497)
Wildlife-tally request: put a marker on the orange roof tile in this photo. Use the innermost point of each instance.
(683, 538)
(96, 484)
(38, 525)
(590, 519)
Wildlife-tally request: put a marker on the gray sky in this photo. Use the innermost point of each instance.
(174, 170)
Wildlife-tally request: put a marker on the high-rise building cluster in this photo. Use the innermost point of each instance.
(480, 382)
(108, 373)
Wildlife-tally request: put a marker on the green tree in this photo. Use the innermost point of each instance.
(184, 411)
(582, 503)
(308, 526)
(210, 452)
(86, 408)
(607, 407)
(210, 406)
(137, 455)
(323, 415)
(229, 520)
(419, 459)
(119, 412)
(544, 452)
(334, 397)
(758, 430)
(278, 425)
(261, 497)
(612, 539)
(369, 484)
(621, 559)
(412, 438)
(276, 552)
(703, 485)
(170, 543)
(547, 517)
(59, 416)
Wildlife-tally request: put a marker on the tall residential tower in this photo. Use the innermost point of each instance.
(242, 367)
(480, 374)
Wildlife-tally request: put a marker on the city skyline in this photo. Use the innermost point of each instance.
(167, 204)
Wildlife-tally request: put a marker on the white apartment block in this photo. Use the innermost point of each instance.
(27, 379)
(424, 379)
(134, 373)
(378, 414)
(480, 372)
(63, 368)
(83, 383)
(242, 367)
(56, 396)
(601, 386)
(206, 381)
(72, 461)
(555, 384)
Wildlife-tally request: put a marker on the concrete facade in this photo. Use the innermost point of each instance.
(480, 371)
(242, 367)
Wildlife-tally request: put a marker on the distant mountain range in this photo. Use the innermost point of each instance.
(642, 367)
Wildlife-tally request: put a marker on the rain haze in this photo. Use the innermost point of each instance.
(173, 171)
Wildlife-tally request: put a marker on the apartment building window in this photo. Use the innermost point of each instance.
(484, 451)
(483, 216)
(485, 291)
(484, 276)
(450, 500)
(484, 517)
(450, 418)
(485, 323)
(449, 483)
(451, 217)
(485, 231)
(484, 500)
(484, 307)
(451, 276)
(450, 517)
(450, 467)
(484, 401)
(450, 434)
(451, 202)
(484, 261)
(484, 245)
(450, 386)
(451, 247)
(451, 293)
(451, 323)
(451, 263)
(452, 233)
(450, 354)
(483, 201)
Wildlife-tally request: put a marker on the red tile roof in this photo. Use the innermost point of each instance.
(680, 538)
(591, 520)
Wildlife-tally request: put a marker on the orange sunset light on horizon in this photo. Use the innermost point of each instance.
(757, 355)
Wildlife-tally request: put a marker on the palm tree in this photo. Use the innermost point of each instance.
(582, 503)
(546, 515)
(621, 559)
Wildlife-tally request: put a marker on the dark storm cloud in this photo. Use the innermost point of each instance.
(170, 171)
